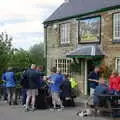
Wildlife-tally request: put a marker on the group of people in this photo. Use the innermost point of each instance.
(58, 86)
(98, 86)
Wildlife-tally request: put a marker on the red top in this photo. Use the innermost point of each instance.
(114, 82)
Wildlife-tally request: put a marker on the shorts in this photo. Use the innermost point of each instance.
(32, 92)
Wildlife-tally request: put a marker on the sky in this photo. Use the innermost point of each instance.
(22, 20)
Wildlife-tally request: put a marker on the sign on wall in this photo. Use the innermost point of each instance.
(90, 29)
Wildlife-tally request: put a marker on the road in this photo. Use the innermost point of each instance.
(17, 113)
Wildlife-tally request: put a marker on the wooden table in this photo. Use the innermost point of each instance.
(112, 104)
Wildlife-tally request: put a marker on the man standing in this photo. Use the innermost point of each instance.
(56, 80)
(32, 85)
(9, 78)
(93, 79)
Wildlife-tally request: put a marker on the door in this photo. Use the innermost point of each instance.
(90, 68)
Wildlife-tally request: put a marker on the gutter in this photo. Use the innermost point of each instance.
(45, 41)
(84, 14)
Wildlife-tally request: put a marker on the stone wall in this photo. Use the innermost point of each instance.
(54, 50)
(111, 49)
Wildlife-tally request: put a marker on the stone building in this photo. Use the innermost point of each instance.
(83, 33)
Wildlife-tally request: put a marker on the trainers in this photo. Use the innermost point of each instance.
(9, 103)
(60, 109)
(26, 109)
(52, 109)
(32, 109)
(15, 103)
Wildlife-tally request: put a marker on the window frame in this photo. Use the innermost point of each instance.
(115, 39)
(116, 65)
(66, 43)
(89, 42)
(63, 65)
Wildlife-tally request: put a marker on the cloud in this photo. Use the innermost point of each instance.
(29, 26)
(23, 19)
(26, 42)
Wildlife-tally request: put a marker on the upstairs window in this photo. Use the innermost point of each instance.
(116, 26)
(117, 63)
(90, 30)
(65, 33)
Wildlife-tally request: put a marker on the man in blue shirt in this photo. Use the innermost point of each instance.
(55, 81)
(93, 79)
(10, 85)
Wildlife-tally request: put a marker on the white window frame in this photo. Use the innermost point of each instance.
(65, 33)
(116, 64)
(64, 65)
(116, 26)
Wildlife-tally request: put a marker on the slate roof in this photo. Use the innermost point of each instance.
(80, 7)
(86, 50)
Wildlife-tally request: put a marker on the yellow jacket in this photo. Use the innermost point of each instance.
(74, 82)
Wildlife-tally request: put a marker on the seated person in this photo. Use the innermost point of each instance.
(102, 88)
(114, 82)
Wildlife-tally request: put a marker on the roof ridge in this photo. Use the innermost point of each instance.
(76, 8)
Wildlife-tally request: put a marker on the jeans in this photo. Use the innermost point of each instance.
(11, 95)
(92, 91)
(24, 96)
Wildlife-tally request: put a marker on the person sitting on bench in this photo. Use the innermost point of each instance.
(101, 89)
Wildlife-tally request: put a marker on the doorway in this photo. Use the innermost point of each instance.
(90, 68)
(91, 64)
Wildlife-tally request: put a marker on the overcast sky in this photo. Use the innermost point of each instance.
(22, 19)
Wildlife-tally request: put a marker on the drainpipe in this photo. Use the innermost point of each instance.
(45, 46)
(86, 77)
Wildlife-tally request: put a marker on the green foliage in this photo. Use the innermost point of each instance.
(37, 54)
(20, 59)
(74, 67)
(5, 48)
(106, 70)
(18, 78)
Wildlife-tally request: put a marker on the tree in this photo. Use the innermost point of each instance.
(37, 54)
(5, 49)
(20, 59)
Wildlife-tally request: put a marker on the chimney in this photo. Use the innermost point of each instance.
(66, 1)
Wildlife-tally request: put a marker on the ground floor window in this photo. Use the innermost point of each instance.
(118, 64)
(64, 65)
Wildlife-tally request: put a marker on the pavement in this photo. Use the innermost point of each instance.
(17, 113)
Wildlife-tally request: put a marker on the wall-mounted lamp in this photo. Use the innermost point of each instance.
(55, 26)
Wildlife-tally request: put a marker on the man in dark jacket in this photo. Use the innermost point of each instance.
(93, 80)
(31, 85)
(66, 88)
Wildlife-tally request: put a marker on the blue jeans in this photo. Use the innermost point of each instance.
(24, 96)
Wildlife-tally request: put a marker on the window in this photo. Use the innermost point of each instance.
(116, 26)
(65, 33)
(90, 29)
(118, 64)
(64, 65)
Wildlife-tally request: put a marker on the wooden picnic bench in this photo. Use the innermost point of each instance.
(111, 104)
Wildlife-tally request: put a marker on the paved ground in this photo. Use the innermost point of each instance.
(17, 113)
